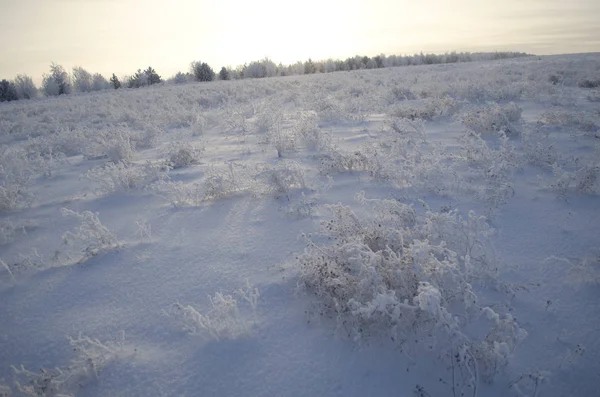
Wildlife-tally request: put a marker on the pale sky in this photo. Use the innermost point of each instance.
(122, 36)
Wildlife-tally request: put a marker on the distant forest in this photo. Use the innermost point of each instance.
(59, 82)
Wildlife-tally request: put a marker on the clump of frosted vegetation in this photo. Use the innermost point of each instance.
(223, 319)
(90, 237)
(585, 179)
(91, 357)
(493, 117)
(426, 109)
(125, 177)
(16, 170)
(494, 167)
(282, 177)
(283, 140)
(307, 130)
(182, 154)
(267, 119)
(220, 183)
(567, 118)
(409, 278)
(178, 193)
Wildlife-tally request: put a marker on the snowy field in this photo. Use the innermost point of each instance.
(414, 231)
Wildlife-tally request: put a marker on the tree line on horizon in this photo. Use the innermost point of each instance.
(59, 82)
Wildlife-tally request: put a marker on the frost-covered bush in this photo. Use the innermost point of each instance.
(282, 177)
(332, 110)
(538, 150)
(399, 93)
(16, 169)
(90, 237)
(267, 119)
(219, 183)
(336, 160)
(125, 177)
(567, 118)
(178, 193)
(494, 167)
(283, 140)
(91, 357)
(394, 275)
(24, 264)
(9, 229)
(307, 129)
(118, 147)
(12, 196)
(426, 109)
(405, 126)
(184, 154)
(493, 117)
(223, 320)
(582, 180)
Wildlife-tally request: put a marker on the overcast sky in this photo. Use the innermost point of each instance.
(122, 36)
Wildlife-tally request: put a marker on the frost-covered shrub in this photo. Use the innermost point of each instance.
(223, 320)
(119, 148)
(220, 183)
(331, 110)
(402, 94)
(92, 356)
(90, 237)
(302, 207)
(538, 149)
(339, 160)
(494, 351)
(405, 126)
(184, 154)
(282, 177)
(12, 196)
(283, 140)
(178, 193)
(267, 120)
(393, 275)
(493, 117)
(307, 129)
(124, 177)
(427, 109)
(567, 118)
(584, 179)
(16, 169)
(495, 168)
(25, 264)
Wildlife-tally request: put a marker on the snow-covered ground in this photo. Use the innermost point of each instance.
(428, 231)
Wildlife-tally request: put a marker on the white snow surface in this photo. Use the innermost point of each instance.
(191, 280)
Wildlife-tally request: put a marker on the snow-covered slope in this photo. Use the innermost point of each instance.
(429, 231)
